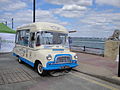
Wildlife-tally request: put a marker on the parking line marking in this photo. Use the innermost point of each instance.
(95, 82)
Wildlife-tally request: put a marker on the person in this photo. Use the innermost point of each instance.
(21, 42)
(70, 41)
(25, 39)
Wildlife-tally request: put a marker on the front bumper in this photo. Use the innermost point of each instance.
(52, 66)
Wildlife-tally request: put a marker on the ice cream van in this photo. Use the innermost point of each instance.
(44, 46)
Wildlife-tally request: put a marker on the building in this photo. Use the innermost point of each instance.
(7, 38)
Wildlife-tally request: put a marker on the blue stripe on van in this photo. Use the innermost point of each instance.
(52, 66)
(49, 65)
(58, 49)
(25, 60)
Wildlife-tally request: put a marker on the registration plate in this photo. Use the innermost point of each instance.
(65, 67)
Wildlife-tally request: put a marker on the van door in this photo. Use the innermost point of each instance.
(30, 50)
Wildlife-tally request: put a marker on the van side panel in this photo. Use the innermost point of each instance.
(24, 60)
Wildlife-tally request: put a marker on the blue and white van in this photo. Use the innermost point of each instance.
(44, 46)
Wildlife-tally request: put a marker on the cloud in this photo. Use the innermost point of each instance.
(68, 13)
(73, 8)
(25, 17)
(96, 24)
(66, 2)
(11, 5)
(1, 1)
(115, 3)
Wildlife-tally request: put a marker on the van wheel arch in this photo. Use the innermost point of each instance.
(39, 68)
(18, 59)
(36, 63)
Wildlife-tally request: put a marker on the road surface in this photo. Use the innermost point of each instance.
(15, 76)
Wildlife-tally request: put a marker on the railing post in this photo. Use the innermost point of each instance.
(83, 48)
(0, 42)
(119, 63)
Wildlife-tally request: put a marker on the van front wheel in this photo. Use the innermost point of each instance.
(40, 69)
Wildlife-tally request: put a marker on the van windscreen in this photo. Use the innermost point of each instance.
(53, 38)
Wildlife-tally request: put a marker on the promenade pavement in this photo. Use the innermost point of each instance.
(93, 65)
(16, 76)
(98, 66)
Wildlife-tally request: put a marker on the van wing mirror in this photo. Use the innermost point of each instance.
(72, 31)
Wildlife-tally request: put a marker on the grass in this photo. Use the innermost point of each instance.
(6, 29)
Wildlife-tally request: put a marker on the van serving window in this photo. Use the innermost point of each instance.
(22, 37)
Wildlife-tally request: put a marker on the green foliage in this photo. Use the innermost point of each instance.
(6, 29)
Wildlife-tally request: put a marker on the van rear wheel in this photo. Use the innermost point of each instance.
(20, 61)
(40, 69)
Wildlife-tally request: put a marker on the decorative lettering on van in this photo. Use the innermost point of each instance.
(26, 52)
(22, 51)
(54, 27)
(48, 47)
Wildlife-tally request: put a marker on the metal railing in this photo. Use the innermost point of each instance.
(85, 49)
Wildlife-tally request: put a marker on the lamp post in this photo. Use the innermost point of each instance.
(12, 24)
(6, 23)
(34, 10)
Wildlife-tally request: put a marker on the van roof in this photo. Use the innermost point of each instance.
(44, 26)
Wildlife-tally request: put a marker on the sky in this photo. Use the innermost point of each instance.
(90, 18)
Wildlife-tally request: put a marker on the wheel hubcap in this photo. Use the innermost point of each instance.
(19, 60)
(40, 69)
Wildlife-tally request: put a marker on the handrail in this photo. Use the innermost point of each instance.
(86, 47)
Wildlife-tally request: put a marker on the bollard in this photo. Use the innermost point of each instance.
(84, 48)
(119, 63)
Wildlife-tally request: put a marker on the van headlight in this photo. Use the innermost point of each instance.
(76, 57)
(49, 57)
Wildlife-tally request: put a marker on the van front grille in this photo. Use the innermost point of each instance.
(63, 59)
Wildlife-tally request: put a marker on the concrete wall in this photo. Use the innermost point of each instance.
(111, 49)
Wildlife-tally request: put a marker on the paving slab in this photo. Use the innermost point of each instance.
(98, 66)
(13, 76)
(1, 80)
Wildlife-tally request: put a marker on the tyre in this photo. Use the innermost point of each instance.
(68, 70)
(20, 61)
(40, 69)
(54, 73)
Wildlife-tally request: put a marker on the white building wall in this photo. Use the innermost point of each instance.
(7, 42)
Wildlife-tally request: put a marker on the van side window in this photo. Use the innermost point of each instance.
(23, 37)
(17, 37)
(38, 39)
(32, 40)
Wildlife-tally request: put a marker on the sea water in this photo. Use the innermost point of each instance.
(91, 43)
